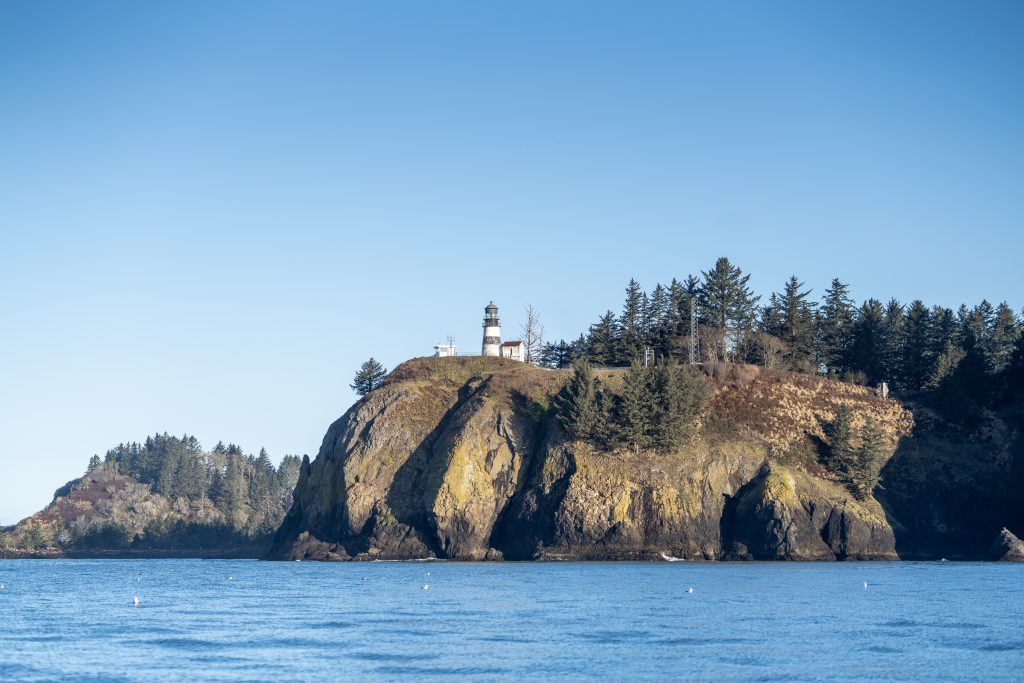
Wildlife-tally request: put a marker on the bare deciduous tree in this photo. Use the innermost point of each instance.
(533, 336)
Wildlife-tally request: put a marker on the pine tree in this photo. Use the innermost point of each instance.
(867, 346)
(835, 328)
(635, 409)
(916, 362)
(867, 461)
(263, 484)
(1013, 375)
(369, 377)
(1003, 335)
(680, 395)
(727, 303)
(945, 364)
(236, 498)
(796, 324)
(840, 440)
(601, 341)
(557, 355)
(94, 464)
(167, 479)
(190, 476)
(631, 333)
(577, 404)
(892, 337)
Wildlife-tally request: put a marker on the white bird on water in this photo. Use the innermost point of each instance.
(865, 584)
(426, 586)
(689, 590)
(135, 601)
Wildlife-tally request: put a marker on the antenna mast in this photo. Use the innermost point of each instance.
(694, 342)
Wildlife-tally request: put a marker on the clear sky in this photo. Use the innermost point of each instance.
(211, 213)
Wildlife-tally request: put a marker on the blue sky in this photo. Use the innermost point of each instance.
(211, 213)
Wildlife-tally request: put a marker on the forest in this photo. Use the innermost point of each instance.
(166, 492)
(915, 348)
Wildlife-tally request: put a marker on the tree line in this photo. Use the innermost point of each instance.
(655, 407)
(251, 493)
(913, 347)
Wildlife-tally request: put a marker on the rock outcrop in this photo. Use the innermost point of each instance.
(462, 458)
(1006, 548)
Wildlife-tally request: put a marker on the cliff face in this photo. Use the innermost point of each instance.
(462, 458)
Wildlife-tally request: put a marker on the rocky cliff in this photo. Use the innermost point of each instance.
(462, 458)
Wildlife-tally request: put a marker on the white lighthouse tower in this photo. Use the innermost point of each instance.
(492, 331)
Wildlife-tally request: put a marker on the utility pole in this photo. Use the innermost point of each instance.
(694, 348)
(648, 356)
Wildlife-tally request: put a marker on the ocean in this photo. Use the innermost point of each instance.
(236, 620)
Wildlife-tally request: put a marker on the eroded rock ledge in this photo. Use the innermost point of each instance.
(461, 458)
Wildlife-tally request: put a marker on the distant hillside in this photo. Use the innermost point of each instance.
(166, 496)
(472, 458)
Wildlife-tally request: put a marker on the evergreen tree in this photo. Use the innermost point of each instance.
(944, 329)
(577, 404)
(840, 440)
(771, 316)
(1013, 375)
(835, 328)
(557, 355)
(945, 364)
(680, 395)
(635, 409)
(892, 337)
(263, 493)
(369, 377)
(166, 481)
(601, 343)
(916, 362)
(796, 325)
(288, 477)
(868, 460)
(217, 491)
(868, 343)
(1003, 335)
(190, 476)
(94, 464)
(631, 335)
(727, 303)
(236, 498)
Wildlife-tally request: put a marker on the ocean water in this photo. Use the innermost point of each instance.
(73, 620)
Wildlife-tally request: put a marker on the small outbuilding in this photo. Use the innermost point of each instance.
(512, 349)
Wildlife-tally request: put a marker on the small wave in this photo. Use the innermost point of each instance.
(703, 641)
(669, 558)
(609, 637)
(331, 625)
(1001, 647)
(392, 657)
(415, 559)
(505, 639)
(427, 671)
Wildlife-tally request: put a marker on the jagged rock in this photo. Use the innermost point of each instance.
(1006, 548)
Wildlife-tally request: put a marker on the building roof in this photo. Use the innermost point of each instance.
(491, 308)
(512, 343)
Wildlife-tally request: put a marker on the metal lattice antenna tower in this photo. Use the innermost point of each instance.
(694, 349)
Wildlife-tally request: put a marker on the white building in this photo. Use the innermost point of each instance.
(512, 349)
(492, 331)
(445, 350)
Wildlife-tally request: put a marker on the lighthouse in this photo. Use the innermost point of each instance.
(492, 331)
